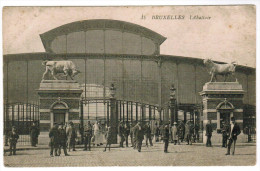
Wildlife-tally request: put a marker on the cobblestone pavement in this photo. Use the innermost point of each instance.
(179, 155)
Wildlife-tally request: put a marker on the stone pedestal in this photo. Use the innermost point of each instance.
(59, 102)
(221, 101)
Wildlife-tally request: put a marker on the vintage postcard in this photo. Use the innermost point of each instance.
(129, 86)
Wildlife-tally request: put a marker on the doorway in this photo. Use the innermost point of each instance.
(224, 118)
(59, 116)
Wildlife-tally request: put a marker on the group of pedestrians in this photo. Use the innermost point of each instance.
(62, 136)
(137, 134)
(179, 132)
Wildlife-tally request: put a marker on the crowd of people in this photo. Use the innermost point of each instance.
(63, 136)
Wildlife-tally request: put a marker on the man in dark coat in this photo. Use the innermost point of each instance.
(157, 132)
(188, 133)
(62, 139)
(87, 135)
(234, 132)
(181, 129)
(34, 133)
(139, 136)
(166, 136)
(13, 138)
(121, 132)
(196, 130)
(209, 131)
(148, 134)
(126, 133)
(54, 139)
(225, 133)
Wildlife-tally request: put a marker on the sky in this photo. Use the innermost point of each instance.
(229, 35)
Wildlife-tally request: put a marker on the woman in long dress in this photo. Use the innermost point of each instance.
(174, 131)
(97, 134)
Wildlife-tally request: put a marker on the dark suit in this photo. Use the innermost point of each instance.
(233, 137)
(54, 140)
(87, 135)
(13, 138)
(34, 133)
(121, 132)
(62, 141)
(148, 135)
(225, 134)
(126, 134)
(139, 136)
(181, 128)
(208, 134)
(166, 136)
(196, 135)
(188, 133)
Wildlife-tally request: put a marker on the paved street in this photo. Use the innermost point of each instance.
(179, 155)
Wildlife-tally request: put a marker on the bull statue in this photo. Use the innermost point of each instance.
(215, 69)
(67, 68)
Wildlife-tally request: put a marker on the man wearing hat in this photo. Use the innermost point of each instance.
(166, 137)
(196, 130)
(181, 129)
(209, 131)
(188, 133)
(148, 134)
(54, 139)
(174, 131)
(87, 136)
(234, 132)
(71, 136)
(62, 139)
(139, 136)
(13, 137)
(121, 132)
(34, 133)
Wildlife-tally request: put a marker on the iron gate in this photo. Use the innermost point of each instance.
(20, 115)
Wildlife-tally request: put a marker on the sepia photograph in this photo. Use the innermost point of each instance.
(129, 86)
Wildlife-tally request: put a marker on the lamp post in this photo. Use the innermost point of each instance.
(173, 104)
(83, 100)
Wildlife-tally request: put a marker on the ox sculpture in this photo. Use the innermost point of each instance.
(215, 69)
(67, 68)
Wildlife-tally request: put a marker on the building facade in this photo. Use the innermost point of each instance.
(128, 56)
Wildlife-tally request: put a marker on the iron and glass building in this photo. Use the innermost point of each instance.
(126, 55)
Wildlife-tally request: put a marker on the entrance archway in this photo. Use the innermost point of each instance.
(224, 113)
(59, 112)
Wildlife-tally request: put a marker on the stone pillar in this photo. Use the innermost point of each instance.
(113, 114)
(218, 97)
(63, 95)
(173, 109)
(218, 120)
